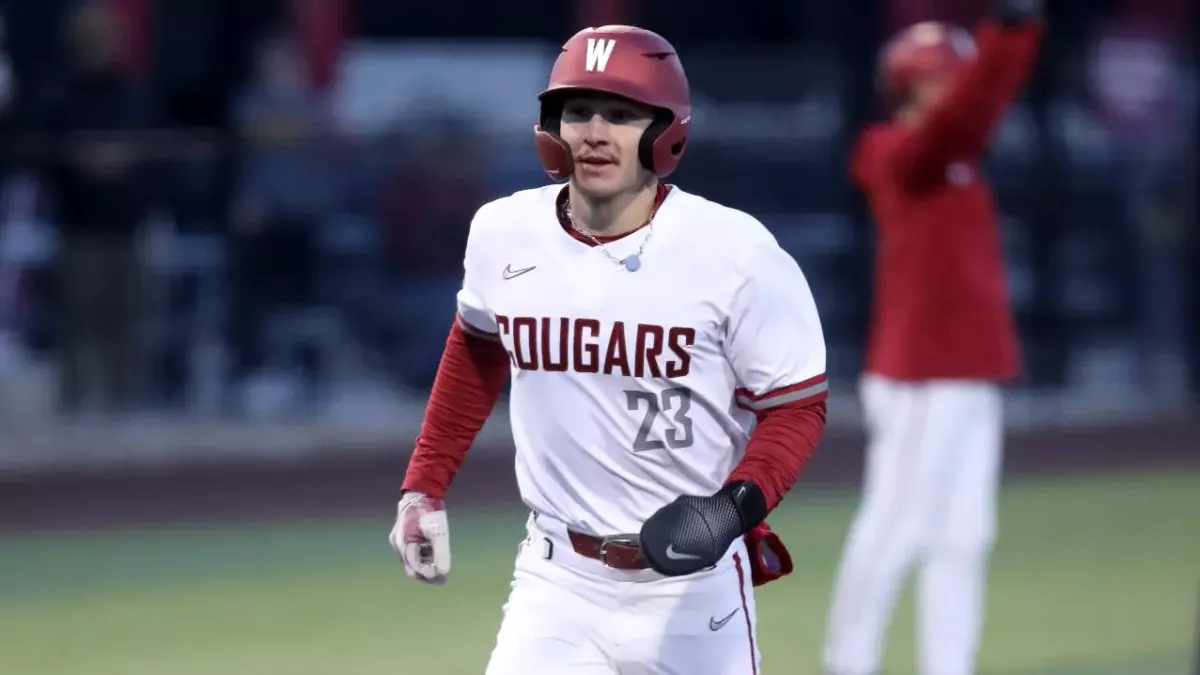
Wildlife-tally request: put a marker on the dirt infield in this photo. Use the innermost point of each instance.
(365, 486)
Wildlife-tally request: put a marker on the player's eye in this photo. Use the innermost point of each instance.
(618, 115)
(577, 113)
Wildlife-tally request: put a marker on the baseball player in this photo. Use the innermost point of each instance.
(942, 342)
(668, 386)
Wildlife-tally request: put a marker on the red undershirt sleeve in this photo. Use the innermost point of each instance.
(468, 383)
(780, 446)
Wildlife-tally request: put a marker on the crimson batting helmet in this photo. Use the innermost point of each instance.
(919, 51)
(624, 61)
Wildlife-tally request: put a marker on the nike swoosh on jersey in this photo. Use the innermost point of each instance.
(510, 273)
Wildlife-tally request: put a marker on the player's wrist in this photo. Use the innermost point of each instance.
(422, 487)
(749, 502)
(410, 498)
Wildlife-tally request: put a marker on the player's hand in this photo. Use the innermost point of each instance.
(421, 537)
(693, 533)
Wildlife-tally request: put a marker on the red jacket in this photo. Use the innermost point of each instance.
(941, 306)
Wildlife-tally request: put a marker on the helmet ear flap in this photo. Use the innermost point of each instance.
(662, 144)
(554, 154)
(662, 120)
(550, 113)
(552, 150)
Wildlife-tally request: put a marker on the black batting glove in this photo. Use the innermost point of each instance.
(1018, 12)
(693, 533)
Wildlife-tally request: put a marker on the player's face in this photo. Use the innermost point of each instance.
(603, 134)
(928, 90)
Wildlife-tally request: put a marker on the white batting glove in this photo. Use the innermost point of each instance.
(421, 537)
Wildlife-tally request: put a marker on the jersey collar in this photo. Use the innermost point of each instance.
(560, 209)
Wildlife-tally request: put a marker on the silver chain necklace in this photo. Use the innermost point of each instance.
(631, 262)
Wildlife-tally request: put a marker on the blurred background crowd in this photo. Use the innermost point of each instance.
(226, 209)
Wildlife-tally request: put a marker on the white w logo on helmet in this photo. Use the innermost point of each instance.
(598, 51)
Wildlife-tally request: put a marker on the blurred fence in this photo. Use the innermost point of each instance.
(299, 270)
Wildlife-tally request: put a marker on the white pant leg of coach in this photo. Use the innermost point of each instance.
(881, 544)
(952, 581)
(571, 614)
(929, 499)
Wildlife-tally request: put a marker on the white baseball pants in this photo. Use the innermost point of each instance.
(929, 503)
(570, 615)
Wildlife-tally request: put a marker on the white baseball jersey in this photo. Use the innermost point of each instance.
(630, 389)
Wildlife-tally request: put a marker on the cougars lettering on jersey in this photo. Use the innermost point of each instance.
(632, 388)
(592, 346)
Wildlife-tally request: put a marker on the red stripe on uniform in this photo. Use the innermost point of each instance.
(741, 574)
(781, 391)
(780, 446)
